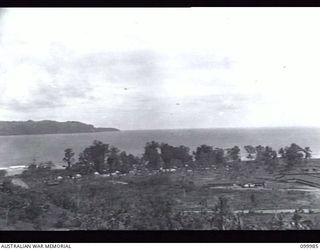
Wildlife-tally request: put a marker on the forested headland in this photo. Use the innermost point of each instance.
(47, 127)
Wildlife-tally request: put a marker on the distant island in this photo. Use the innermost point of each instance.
(48, 127)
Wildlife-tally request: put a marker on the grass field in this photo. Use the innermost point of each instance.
(153, 201)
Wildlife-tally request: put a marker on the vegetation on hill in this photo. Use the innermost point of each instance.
(47, 127)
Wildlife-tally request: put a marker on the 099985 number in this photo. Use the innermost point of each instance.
(309, 246)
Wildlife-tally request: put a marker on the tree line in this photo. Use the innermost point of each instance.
(104, 158)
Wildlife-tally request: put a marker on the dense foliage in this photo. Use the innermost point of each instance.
(108, 189)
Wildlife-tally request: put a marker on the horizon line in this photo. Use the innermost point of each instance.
(186, 128)
(249, 127)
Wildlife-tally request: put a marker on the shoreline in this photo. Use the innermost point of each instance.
(95, 132)
(18, 169)
(59, 166)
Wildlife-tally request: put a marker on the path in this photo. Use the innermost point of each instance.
(263, 211)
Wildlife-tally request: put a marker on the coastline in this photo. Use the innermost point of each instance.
(72, 133)
(18, 169)
(20, 150)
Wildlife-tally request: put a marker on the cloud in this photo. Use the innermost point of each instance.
(140, 67)
(31, 86)
(126, 87)
(160, 69)
(206, 61)
(2, 12)
(56, 79)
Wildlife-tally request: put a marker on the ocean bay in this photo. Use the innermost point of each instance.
(23, 149)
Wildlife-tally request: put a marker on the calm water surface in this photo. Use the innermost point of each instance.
(20, 150)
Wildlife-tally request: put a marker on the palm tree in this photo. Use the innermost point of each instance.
(224, 214)
(307, 152)
(296, 218)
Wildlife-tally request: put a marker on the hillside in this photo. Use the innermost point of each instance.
(47, 127)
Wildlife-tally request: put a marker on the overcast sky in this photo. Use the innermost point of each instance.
(161, 68)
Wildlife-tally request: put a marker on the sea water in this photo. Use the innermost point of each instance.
(23, 149)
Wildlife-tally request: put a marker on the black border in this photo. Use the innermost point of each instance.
(160, 3)
(160, 236)
(310, 236)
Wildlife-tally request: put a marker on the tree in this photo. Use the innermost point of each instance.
(152, 155)
(175, 156)
(253, 200)
(153, 212)
(293, 154)
(277, 222)
(234, 153)
(225, 218)
(296, 218)
(239, 222)
(127, 162)
(307, 152)
(186, 184)
(204, 155)
(219, 156)
(251, 151)
(265, 155)
(167, 153)
(11, 202)
(114, 159)
(3, 173)
(260, 153)
(282, 152)
(68, 157)
(269, 155)
(207, 156)
(93, 158)
(280, 222)
(34, 211)
(33, 165)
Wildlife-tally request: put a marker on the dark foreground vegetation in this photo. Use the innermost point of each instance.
(168, 188)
